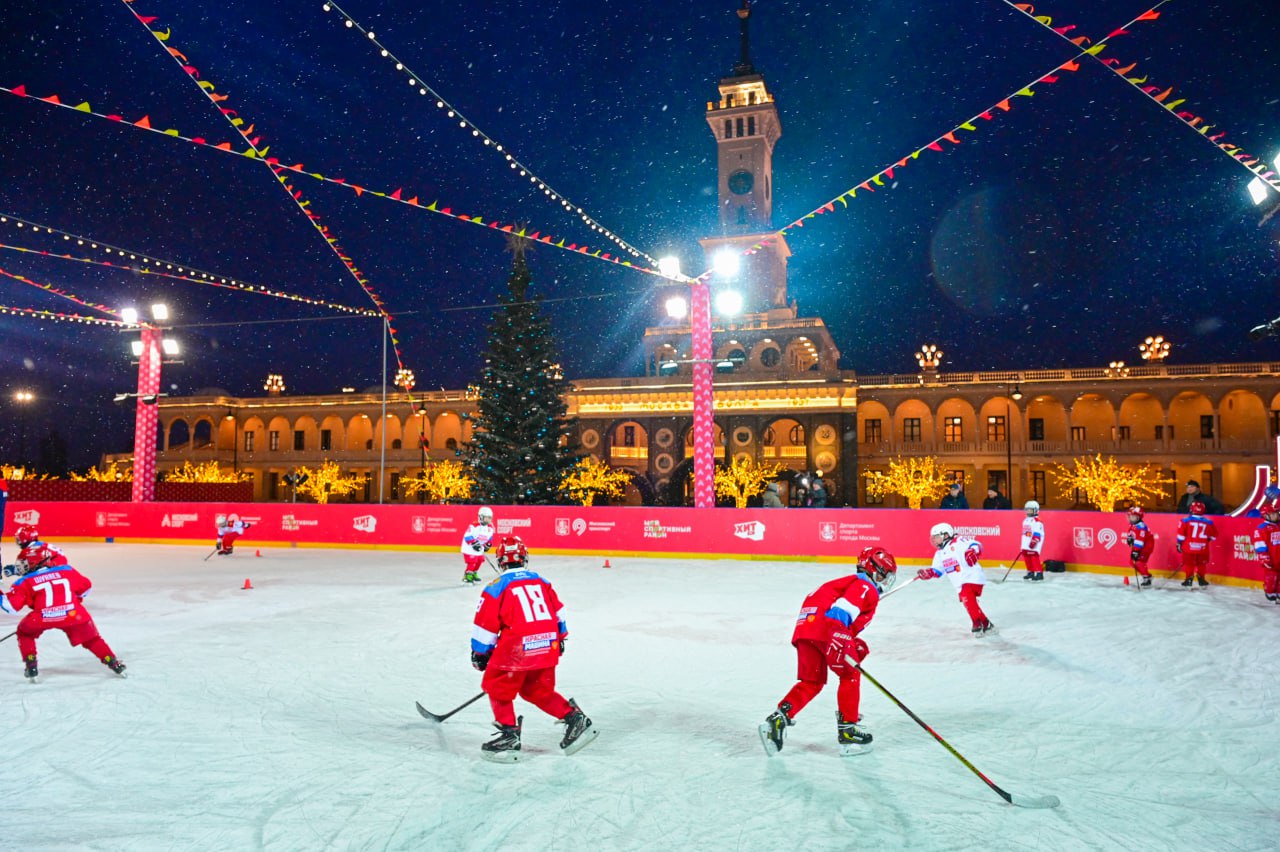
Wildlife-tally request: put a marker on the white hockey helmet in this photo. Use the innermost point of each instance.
(1032, 507)
(220, 520)
(485, 515)
(945, 530)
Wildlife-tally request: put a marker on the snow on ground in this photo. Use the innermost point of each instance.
(283, 718)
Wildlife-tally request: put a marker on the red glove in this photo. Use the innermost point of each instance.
(836, 650)
(971, 556)
(859, 650)
(925, 574)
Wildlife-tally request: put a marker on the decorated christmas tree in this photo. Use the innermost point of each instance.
(522, 445)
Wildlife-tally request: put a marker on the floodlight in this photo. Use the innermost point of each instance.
(669, 266)
(169, 346)
(129, 316)
(727, 263)
(729, 302)
(677, 307)
(136, 346)
(160, 311)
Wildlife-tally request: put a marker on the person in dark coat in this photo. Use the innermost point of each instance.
(1212, 505)
(996, 500)
(955, 498)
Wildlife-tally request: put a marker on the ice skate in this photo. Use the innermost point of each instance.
(852, 739)
(984, 628)
(1186, 584)
(578, 731)
(115, 665)
(773, 730)
(32, 671)
(1202, 581)
(1145, 581)
(1030, 575)
(505, 745)
(471, 577)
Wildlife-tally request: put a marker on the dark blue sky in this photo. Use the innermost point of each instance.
(1060, 234)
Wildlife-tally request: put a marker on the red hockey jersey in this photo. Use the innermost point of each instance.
(521, 620)
(55, 593)
(1266, 543)
(845, 604)
(1195, 532)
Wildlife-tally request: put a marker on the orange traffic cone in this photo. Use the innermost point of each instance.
(247, 584)
(1126, 579)
(257, 552)
(606, 564)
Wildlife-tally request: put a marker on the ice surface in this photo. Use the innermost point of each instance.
(283, 717)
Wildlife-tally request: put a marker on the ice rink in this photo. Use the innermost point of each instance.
(283, 717)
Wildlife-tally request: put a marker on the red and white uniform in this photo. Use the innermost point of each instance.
(1142, 542)
(475, 541)
(826, 630)
(952, 561)
(520, 621)
(1194, 534)
(1032, 543)
(228, 532)
(55, 594)
(1266, 543)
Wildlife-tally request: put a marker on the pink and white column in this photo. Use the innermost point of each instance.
(704, 427)
(148, 415)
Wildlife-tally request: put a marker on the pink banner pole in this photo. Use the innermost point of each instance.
(704, 453)
(144, 430)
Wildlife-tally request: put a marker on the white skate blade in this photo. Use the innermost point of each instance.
(769, 747)
(853, 749)
(501, 756)
(582, 742)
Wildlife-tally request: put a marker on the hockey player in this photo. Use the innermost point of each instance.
(1194, 535)
(230, 528)
(28, 536)
(475, 543)
(826, 631)
(517, 640)
(957, 560)
(55, 593)
(1266, 543)
(1032, 542)
(1142, 541)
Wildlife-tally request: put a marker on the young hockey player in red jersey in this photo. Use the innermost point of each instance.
(1194, 535)
(517, 640)
(826, 631)
(475, 543)
(1266, 543)
(1142, 541)
(55, 593)
(230, 528)
(1032, 542)
(957, 560)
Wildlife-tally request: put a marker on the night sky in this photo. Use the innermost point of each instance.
(1059, 234)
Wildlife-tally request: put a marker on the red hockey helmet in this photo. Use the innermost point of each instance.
(1270, 510)
(512, 553)
(880, 564)
(1136, 512)
(35, 557)
(1197, 508)
(25, 536)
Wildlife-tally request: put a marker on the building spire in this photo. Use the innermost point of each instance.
(744, 66)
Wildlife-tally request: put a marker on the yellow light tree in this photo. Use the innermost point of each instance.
(917, 479)
(1105, 483)
(441, 482)
(204, 472)
(592, 478)
(327, 480)
(112, 473)
(744, 478)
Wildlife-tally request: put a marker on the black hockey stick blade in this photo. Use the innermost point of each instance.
(1034, 801)
(437, 717)
(215, 550)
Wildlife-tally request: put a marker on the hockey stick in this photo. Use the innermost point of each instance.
(14, 633)
(1010, 568)
(215, 550)
(897, 588)
(427, 714)
(1020, 801)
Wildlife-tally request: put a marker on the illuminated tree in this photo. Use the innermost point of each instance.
(442, 482)
(112, 473)
(328, 479)
(744, 478)
(1106, 483)
(592, 478)
(917, 479)
(204, 472)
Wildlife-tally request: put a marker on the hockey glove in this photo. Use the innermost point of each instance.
(1178, 547)
(477, 547)
(836, 650)
(925, 574)
(562, 641)
(1128, 539)
(11, 571)
(971, 556)
(1135, 555)
(480, 661)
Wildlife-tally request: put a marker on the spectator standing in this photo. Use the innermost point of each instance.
(1212, 505)
(771, 500)
(817, 492)
(954, 498)
(996, 500)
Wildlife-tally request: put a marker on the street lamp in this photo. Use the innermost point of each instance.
(150, 351)
(274, 384)
(23, 398)
(1154, 349)
(235, 443)
(1015, 395)
(1262, 192)
(1117, 370)
(422, 447)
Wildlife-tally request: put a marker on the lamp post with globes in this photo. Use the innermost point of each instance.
(1154, 349)
(1014, 395)
(150, 351)
(703, 362)
(24, 399)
